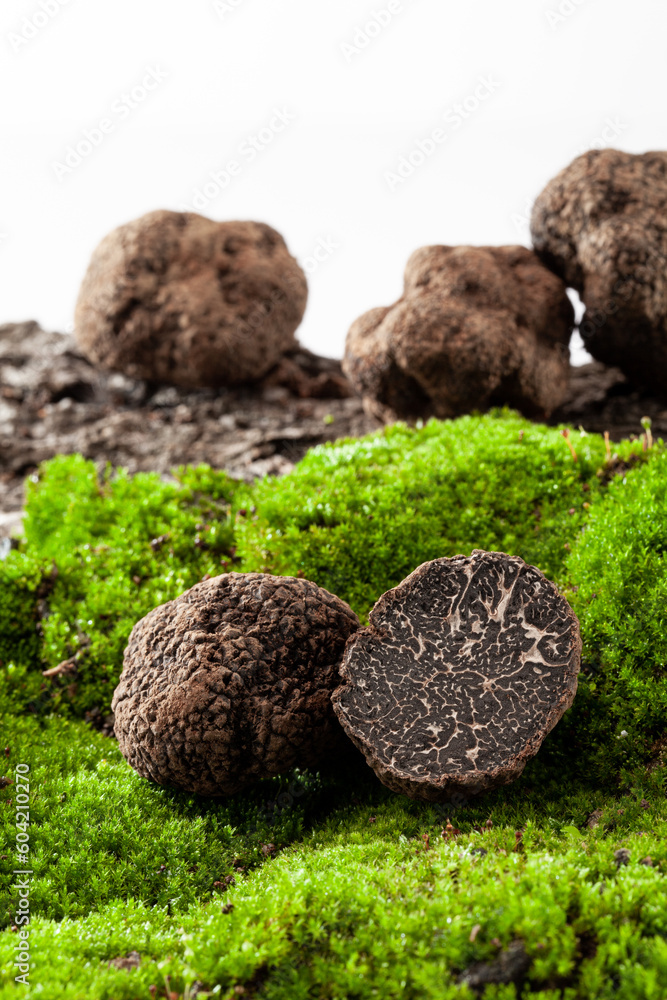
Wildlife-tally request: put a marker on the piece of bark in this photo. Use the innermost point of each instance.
(465, 668)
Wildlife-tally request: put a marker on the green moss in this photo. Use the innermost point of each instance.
(355, 517)
(618, 587)
(106, 551)
(99, 832)
(21, 577)
(358, 516)
(363, 898)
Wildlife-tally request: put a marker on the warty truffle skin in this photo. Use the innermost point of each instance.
(231, 682)
(475, 327)
(601, 225)
(178, 298)
(464, 669)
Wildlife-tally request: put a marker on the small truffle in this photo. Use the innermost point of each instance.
(476, 327)
(601, 225)
(231, 682)
(175, 297)
(465, 668)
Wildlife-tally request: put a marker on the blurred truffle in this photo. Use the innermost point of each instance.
(476, 327)
(175, 297)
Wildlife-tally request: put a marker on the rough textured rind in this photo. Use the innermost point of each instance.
(601, 225)
(475, 327)
(231, 682)
(465, 668)
(175, 297)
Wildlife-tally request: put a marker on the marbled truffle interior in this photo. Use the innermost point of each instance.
(467, 665)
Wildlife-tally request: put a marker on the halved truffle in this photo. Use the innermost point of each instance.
(231, 682)
(465, 668)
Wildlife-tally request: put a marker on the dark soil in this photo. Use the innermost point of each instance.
(602, 399)
(52, 400)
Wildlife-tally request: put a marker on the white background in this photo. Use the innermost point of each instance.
(560, 71)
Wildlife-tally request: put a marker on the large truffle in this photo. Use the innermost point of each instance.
(231, 682)
(465, 668)
(601, 225)
(475, 327)
(175, 297)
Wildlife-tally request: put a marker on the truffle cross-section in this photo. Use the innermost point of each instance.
(465, 668)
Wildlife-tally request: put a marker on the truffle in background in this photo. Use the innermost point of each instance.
(601, 225)
(175, 297)
(464, 669)
(475, 327)
(231, 683)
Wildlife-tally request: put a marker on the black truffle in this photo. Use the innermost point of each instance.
(465, 668)
(176, 297)
(601, 225)
(475, 327)
(231, 682)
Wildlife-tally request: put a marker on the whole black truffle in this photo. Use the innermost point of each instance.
(475, 327)
(175, 297)
(465, 668)
(601, 225)
(231, 682)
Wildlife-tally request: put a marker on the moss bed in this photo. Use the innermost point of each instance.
(325, 884)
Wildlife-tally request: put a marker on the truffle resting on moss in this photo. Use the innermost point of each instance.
(231, 682)
(465, 668)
